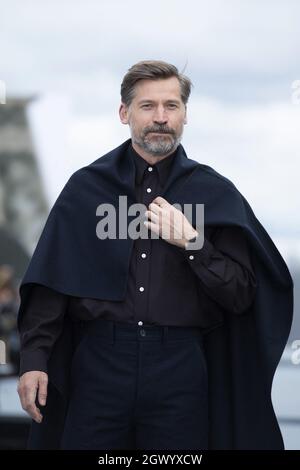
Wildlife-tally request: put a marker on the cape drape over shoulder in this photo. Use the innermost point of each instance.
(242, 353)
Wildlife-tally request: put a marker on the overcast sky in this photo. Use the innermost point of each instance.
(241, 55)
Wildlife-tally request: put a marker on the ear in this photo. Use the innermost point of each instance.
(185, 117)
(123, 113)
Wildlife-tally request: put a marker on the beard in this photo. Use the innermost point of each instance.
(163, 143)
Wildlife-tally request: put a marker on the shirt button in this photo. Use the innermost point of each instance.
(191, 256)
(148, 190)
(142, 332)
(141, 289)
(143, 255)
(150, 168)
(140, 323)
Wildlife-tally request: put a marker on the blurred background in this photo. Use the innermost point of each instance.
(61, 66)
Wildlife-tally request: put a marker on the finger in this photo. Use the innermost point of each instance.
(28, 395)
(34, 412)
(42, 395)
(151, 226)
(159, 200)
(22, 396)
(154, 208)
(152, 216)
(30, 405)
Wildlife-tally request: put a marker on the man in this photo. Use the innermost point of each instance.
(153, 342)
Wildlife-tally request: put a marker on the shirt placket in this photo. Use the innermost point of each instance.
(148, 190)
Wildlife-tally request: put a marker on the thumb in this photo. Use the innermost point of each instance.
(42, 394)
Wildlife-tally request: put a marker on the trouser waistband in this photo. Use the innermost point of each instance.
(115, 330)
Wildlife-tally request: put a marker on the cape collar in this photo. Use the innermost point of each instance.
(118, 167)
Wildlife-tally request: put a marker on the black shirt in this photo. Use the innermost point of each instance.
(167, 285)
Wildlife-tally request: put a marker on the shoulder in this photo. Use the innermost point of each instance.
(90, 169)
(87, 174)
(102, 166)
(217, 178)
(215, 184)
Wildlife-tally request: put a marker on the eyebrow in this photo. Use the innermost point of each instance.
(151, 101)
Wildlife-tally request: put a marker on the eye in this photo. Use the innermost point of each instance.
(172, 105)
(146, 106)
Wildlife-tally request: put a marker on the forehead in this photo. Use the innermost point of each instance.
(166, 88)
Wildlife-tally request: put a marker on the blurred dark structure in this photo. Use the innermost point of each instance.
(9, 303)
(23, 211)
(23, 206)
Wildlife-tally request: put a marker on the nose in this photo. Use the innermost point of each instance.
(160, 116)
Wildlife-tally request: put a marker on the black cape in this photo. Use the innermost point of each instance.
(242, 352)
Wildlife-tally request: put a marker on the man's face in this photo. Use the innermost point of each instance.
(156, 116)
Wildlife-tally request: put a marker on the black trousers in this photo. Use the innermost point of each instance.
(138, 387)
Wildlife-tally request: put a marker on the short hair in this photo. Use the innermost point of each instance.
(153, 70)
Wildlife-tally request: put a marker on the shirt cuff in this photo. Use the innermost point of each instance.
(32, 360)
(200, 255)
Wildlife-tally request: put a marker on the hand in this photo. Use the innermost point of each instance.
(29, 384)
(169, 222)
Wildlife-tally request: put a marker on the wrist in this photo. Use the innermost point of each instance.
(191, 239)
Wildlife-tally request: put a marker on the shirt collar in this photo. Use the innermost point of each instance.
(163, 166)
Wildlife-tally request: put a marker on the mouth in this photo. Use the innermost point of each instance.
(160, 133)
